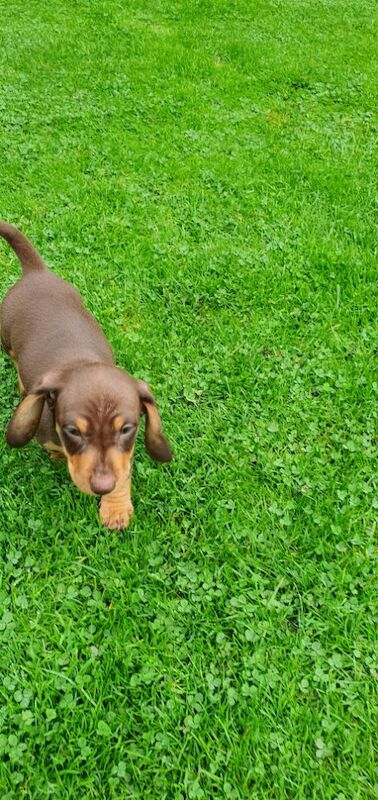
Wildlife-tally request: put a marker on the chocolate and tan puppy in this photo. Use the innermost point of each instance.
(77, 403)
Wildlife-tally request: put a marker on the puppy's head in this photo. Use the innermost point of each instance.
(97, 411)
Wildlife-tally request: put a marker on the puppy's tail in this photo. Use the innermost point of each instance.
(30, 259)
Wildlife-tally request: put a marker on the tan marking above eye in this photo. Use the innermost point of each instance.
(81, 424)
(118, 422)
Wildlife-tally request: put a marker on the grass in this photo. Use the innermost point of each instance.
(204, 173)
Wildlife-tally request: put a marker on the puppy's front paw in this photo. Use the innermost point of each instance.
(115, 514)
(55, 456)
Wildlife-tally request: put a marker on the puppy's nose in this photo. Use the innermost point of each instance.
(102, 483)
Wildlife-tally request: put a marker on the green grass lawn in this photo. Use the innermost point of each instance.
(205, 173)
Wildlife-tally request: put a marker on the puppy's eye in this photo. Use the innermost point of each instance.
(72, 431)
(126, 429)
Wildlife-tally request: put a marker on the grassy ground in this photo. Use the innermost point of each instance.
(204, 173)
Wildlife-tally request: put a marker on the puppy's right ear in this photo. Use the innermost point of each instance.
(26, 418)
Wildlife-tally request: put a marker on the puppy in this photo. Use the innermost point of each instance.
(77, 403)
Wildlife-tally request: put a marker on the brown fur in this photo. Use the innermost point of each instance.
(77, 401)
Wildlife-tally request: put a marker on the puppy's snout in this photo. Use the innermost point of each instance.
(102, 483)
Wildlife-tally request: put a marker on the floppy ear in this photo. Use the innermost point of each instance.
(25, 420)
(156, 444)
(27, 415)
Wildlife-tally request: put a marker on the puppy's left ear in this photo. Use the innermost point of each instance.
(156, 444)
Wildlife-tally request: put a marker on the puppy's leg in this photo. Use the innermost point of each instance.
(20, 384)
(116, 508)
(47, 437)
(55, 451)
